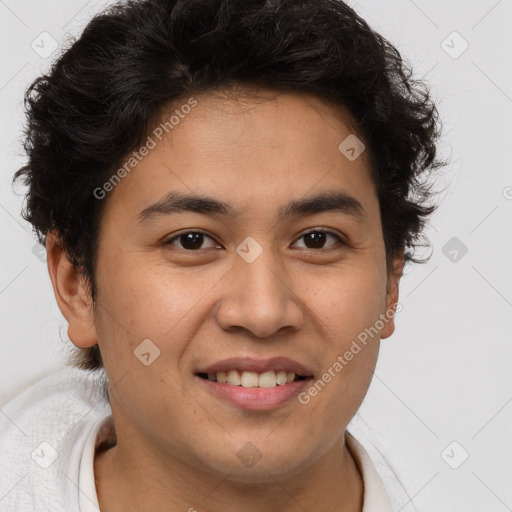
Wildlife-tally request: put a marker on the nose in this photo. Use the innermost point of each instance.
(259, 299)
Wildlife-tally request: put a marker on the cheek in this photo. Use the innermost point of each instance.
(148, 299)
(346, 308)
(348, 301)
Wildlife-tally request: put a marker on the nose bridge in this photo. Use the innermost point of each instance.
(260, 278)
(258, 298)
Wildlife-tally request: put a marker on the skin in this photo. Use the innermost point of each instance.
(177, 444)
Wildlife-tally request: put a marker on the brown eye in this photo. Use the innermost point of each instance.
(190, 241)
(316, 239)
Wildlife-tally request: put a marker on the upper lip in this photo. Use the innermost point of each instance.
(250, 364)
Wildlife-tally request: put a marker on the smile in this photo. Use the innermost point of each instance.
(249, 379)
(254, 384)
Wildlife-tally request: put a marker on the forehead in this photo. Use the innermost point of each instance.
(245, 149)
(269, 119)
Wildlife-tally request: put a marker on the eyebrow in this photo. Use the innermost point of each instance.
(175, 202)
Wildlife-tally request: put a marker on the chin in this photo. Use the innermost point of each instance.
(249, 465)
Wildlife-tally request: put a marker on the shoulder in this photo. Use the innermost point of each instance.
(42, 434)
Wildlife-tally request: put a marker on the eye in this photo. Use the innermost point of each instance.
(190, 240)
(194, 240)
(316, 239)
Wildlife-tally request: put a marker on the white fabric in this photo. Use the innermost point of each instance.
(101, 431)
(375, 495)
(70, 415)
(54, 418)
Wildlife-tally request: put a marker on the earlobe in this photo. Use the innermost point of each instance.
(72, 294)
(392, 295)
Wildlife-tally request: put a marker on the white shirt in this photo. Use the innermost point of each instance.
(49, 435)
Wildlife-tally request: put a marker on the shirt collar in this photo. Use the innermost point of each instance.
(375, 496)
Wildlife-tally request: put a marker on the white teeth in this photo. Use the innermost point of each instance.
(268, 379)
(222, 377)
(281, 377)
(234, 378)
(249, 379)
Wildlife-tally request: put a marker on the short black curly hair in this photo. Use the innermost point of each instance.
(100, 98)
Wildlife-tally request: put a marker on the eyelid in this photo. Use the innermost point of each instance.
(186, 232)
(169, 240)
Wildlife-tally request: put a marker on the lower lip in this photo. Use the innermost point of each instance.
(256, 399)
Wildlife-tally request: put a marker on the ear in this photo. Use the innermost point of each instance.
(72, 294)
(392, 295)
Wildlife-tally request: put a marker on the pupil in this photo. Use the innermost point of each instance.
(317, 239)
(192, 241)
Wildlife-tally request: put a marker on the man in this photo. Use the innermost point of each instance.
(228, 192)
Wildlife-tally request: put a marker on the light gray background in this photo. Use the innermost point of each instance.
(445, 375)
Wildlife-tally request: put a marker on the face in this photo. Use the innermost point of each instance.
(257, 282)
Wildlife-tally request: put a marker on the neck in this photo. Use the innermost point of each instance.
(130, 479)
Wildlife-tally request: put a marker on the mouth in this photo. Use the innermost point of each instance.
(255, 384)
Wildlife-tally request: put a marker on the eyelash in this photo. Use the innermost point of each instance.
(312, 230)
